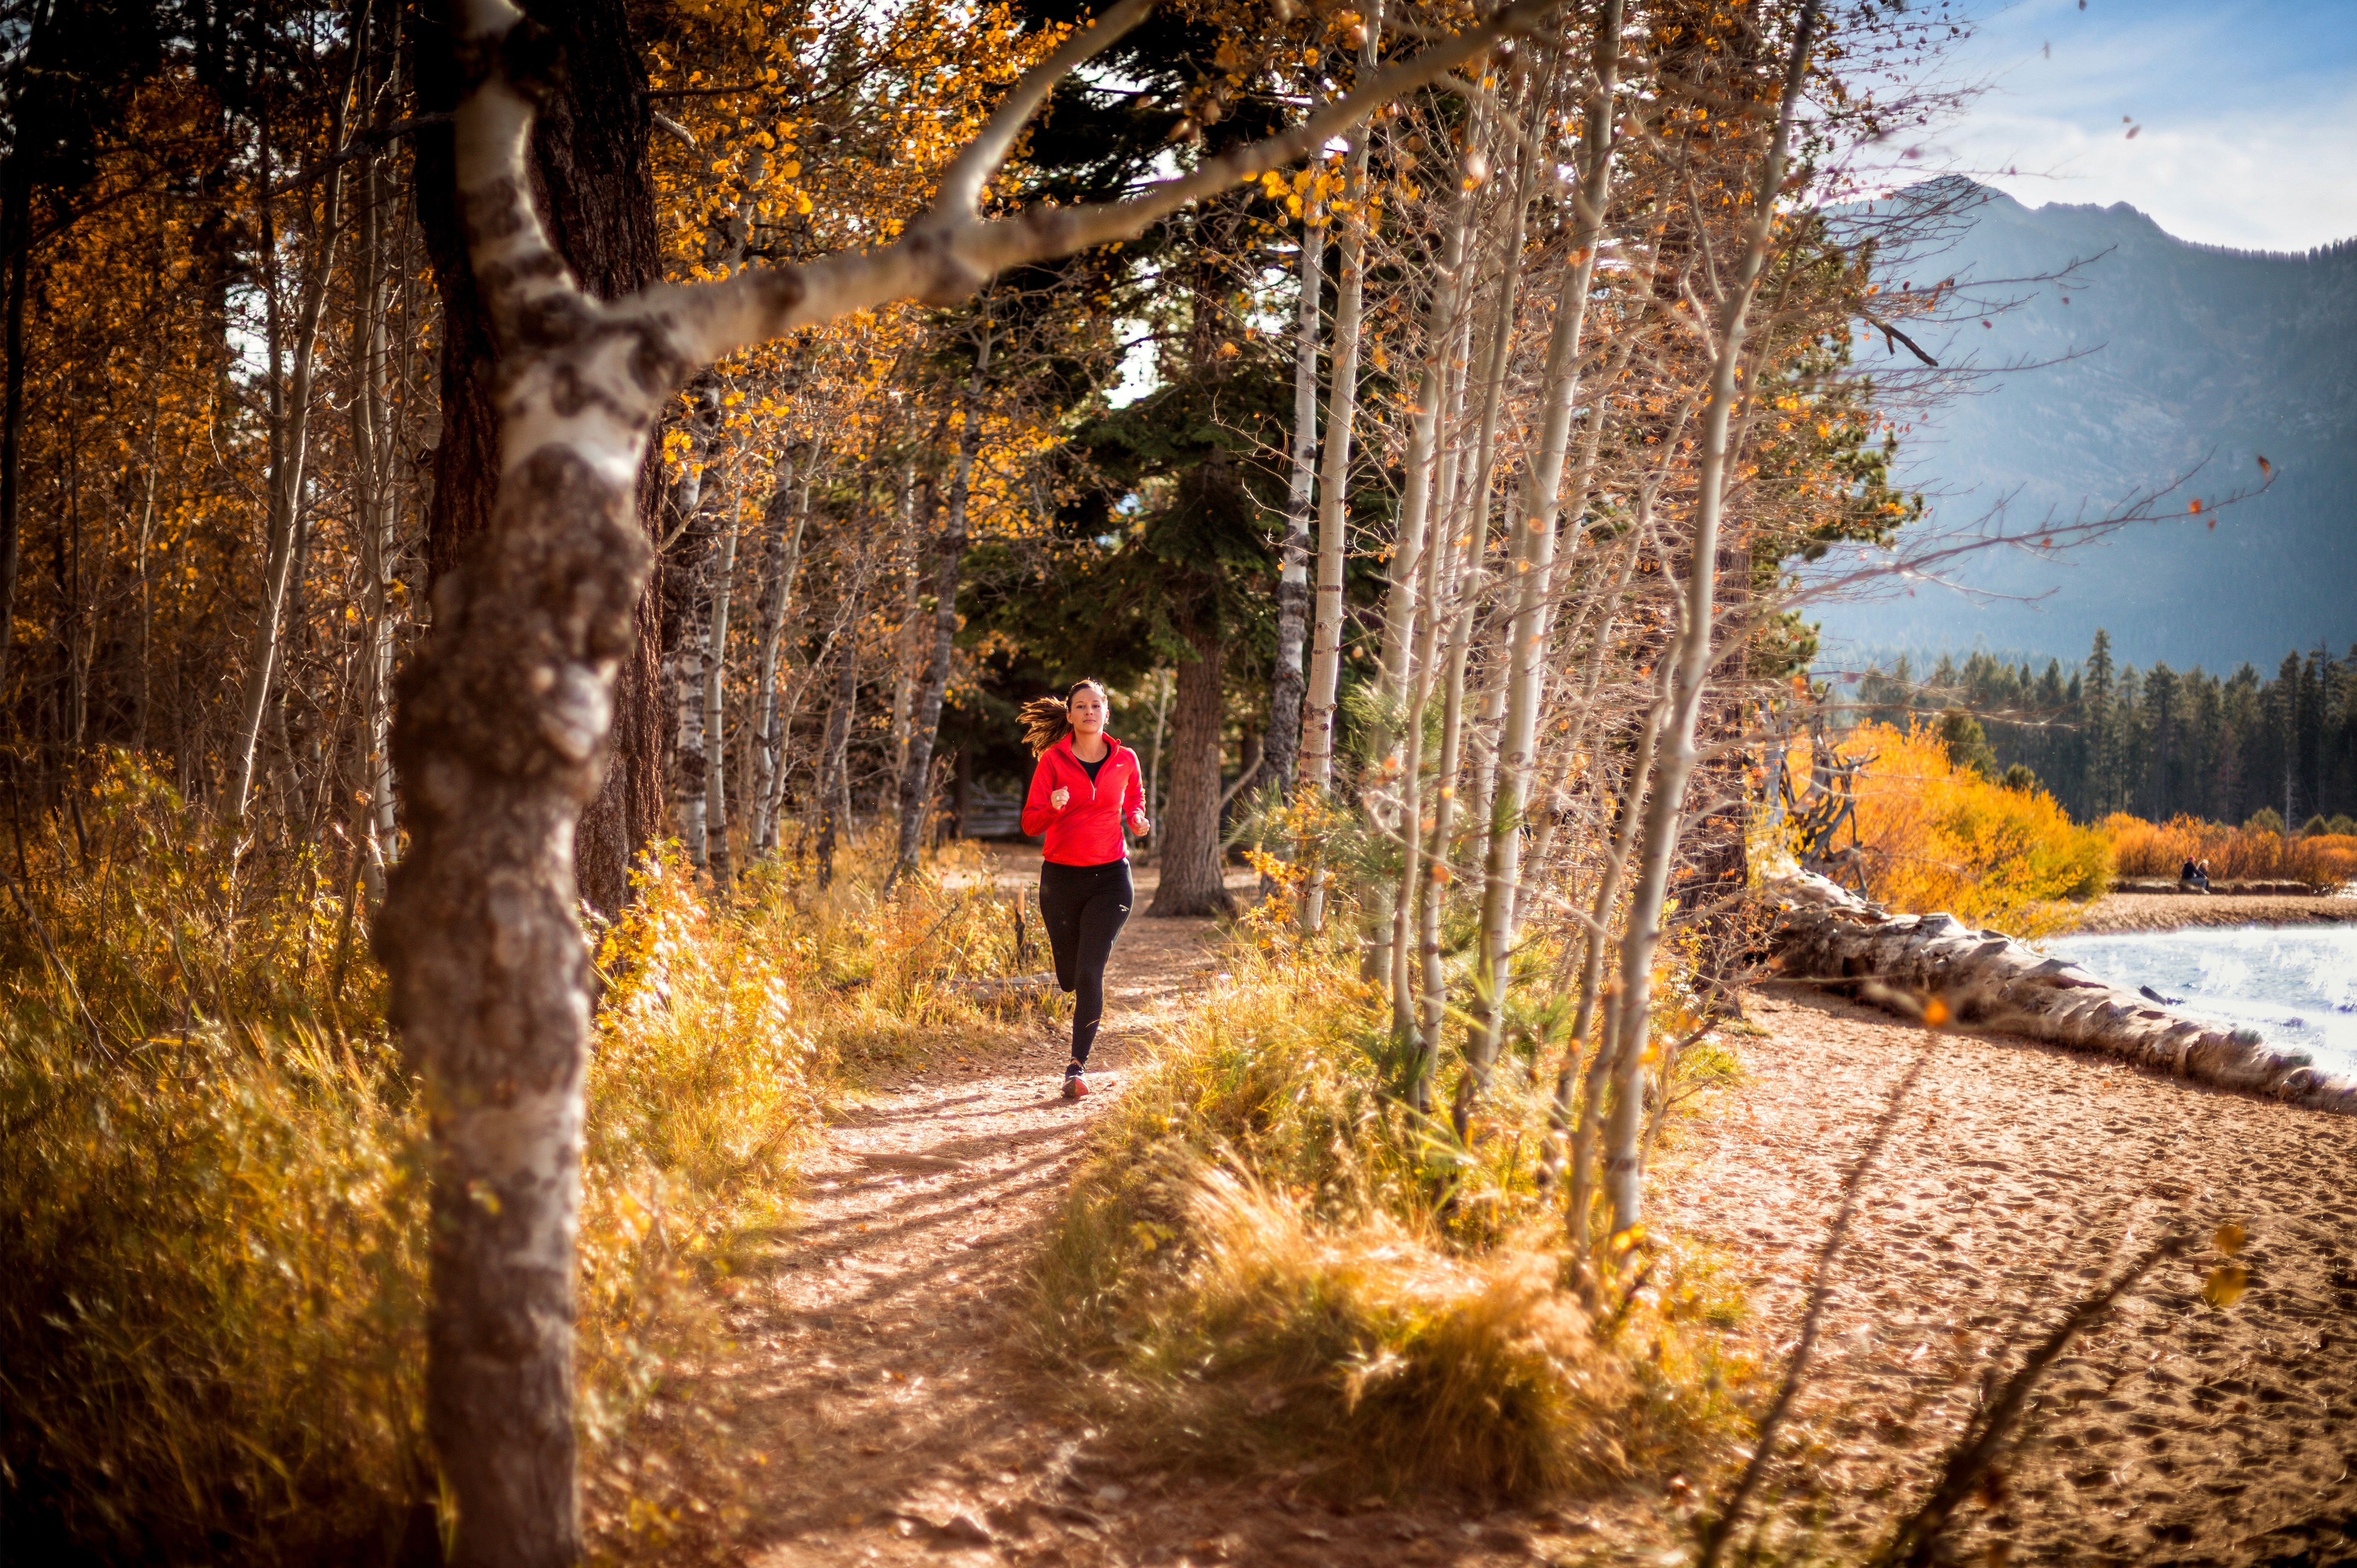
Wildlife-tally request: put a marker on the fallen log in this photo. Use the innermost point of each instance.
(1826, 935)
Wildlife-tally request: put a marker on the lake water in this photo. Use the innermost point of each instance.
(2295, 984)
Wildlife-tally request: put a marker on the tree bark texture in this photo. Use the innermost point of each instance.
(1189, 828)
(1320, 694)
(590, 184)
(715, 708)
(1284, 745)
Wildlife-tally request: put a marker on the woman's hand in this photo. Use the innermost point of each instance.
(1060, 799)
(1139, 826)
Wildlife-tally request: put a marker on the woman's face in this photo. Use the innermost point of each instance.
(1087, 709)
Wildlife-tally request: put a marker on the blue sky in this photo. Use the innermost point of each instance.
(2245, 112)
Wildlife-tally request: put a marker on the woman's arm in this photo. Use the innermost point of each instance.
(1039, 811)
(1133, 804)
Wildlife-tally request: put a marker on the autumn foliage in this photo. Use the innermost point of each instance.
(2235, 855)
(1935, 835)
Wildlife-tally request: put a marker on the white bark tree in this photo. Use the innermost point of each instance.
(1624, 1170)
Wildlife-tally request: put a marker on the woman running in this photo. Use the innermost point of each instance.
(1085, 788)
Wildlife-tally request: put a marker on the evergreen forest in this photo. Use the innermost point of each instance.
(2156, 743)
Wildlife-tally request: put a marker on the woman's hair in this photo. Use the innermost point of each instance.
(1047, 720)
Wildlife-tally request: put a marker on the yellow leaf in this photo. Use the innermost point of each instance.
(2226, 1284)
(1936, 1013)
(2230, 1238)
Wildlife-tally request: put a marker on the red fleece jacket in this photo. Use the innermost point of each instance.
(1088, 831)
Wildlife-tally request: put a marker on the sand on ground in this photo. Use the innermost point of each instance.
(2173, 911)
(2175, 1432)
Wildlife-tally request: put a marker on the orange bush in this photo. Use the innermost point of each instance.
(1935, 836)
(2235, 855)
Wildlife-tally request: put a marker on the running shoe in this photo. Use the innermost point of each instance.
(1075, 1086)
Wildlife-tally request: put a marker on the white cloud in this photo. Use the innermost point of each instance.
(2241, 111)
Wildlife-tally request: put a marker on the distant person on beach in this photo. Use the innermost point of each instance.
(1084, 792)
(2195, 875)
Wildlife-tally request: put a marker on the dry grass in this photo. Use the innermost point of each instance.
(1268, 1265)
(2235, 855)
(211, 1211)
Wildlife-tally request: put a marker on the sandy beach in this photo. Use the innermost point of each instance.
(2175, 1432)
(2173, 911)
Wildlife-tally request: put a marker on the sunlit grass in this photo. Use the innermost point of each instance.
(212, 1212)
(1270, 1263)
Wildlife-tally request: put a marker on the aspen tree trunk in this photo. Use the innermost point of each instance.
(290, 446)
(1624, 1175)
(1633, 793)
(1455, 582)
(1397, 765)
(373, 511)
(1584, 708)
(1534, 549)
(834, 754)
(787, 518)
(505, 715)
(1316, 762)
(689, 659)
(687, 686)
(1418, 910)
(716, 712)
(1280, 752)
(925, 728)
(904, 647)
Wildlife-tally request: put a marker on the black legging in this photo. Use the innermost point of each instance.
(1083, 908)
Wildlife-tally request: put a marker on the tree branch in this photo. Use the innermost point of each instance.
(949, 252)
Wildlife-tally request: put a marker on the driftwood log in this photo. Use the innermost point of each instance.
(1828, 934)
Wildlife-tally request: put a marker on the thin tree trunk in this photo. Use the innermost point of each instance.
(916, 775)
(1534, 550)
(904, 644)
(290, 445)
(1397, 763)
(834, 757)
(1316, 761)
(1163, 681)
(786, 559)
(715, 713)
(688, 663)
(1624, 1173)
(1279, 753)
(373, 515)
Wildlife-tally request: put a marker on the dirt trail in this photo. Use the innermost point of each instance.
(881, 1368)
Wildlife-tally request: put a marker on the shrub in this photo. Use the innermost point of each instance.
(1937, 835)
(2235, 855)
(1267, 1263)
